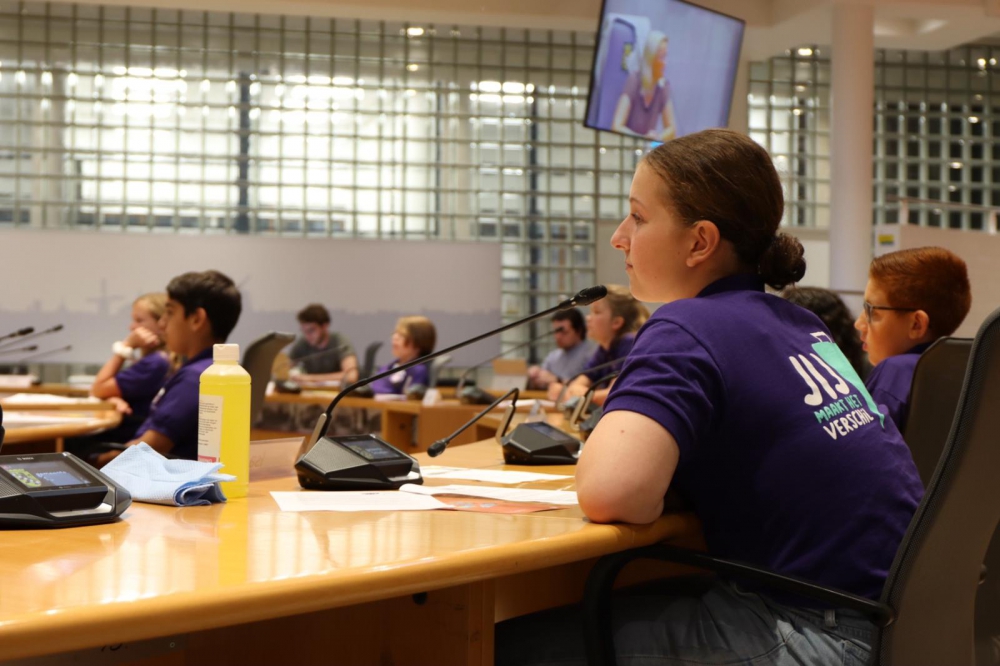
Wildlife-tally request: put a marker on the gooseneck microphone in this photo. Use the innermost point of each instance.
(20, 333)
(584, 297)
(33, 334)
(438, 447)
(537, 338)
(601, 366)
(19, 350)
(44, 353)
(581, 407)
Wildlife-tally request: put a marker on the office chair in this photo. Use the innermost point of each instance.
(926, 611)
(368, 367)
(937, 383)
(258, 358)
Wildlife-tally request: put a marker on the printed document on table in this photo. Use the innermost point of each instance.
(561, 497)
(488, 475)
(356, 500)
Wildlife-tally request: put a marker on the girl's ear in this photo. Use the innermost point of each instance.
(617, 323)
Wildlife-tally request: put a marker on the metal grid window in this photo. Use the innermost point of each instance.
(936, 129)
(135, 119)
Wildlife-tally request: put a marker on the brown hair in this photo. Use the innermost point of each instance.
(420, 331)
(213, 291)
(931, 279)
(623, 304)
(314, 313)
(728, 179)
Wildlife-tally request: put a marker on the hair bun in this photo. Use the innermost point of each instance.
(783, 262)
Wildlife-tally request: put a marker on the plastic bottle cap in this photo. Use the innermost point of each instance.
(226, 353)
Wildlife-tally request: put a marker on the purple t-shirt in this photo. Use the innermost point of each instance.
(783, 453)
(140, 382)
(642, 117)
(619, 349)
(400, 381)
(890, 381)
(174, 412)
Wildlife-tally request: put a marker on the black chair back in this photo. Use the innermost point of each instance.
(368, 367)
(258, 358)
(933, 581)
(937, 383)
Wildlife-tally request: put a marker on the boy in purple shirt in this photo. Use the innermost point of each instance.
(740, 401)
(414, 337)
(202, 310)
(912, 298)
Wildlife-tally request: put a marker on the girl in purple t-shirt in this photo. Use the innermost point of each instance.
(137, 369)
(611, 323)
(741, 402)
(645, 107)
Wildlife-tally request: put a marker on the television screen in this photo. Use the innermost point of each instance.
(662, 68)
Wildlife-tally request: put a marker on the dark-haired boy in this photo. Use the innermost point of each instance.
(202, 310)
(322, 355)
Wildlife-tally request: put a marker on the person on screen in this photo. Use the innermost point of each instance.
(414, 337)
(830, 308)
(137, 369)
(645, 102)
(912, 298)
(739, 401)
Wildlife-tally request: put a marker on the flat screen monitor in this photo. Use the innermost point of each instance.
(662, 68)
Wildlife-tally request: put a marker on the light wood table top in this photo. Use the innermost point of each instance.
(162, 570)
(37, 425)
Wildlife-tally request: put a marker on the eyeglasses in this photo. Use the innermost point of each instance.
(869, 308)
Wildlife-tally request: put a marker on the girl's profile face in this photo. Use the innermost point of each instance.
(143, 318)
(602, 325)
(654, 242)
(403, 348)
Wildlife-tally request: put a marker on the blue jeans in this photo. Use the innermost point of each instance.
(725, 625)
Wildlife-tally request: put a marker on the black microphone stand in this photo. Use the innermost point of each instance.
(584, 297)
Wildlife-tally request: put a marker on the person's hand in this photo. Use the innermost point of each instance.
(106, 457)
(143, 338)
(533, 372)
(121, 406)
(576, 390)
(555, 388)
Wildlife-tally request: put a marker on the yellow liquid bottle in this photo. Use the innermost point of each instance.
(224, 418)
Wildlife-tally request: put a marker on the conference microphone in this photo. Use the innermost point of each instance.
(581, 407)
(314, 466)
(601, 366)
(584, 297)
(54, 329)
(44, 353)
(477, 396)
(19, 333)
(438, 447)
(19, 350)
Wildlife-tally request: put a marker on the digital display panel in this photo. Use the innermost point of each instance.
(45, 474)
(662, 68)
(550, 431)
(370, 449)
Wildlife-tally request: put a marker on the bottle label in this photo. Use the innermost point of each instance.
(209, 428)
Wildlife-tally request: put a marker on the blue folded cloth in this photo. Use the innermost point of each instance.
(150, 477)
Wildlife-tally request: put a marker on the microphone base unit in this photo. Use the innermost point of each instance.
(472, 395)
(356, 462)
(539, 443)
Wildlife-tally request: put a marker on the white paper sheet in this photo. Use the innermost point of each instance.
(488, 475)
(45, 399)
(360, 500)
(528, 402)
(561, 497)
(23, 419)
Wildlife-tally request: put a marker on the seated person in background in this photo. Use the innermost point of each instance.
(612, 324)
(571, 354)
(913, 297)
(132, 388)
(414, 337)
(717, 399)
(202, 310)
(829, 307)
(321, 355)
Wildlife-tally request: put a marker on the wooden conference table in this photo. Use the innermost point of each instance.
(44, 426)
(243, 582)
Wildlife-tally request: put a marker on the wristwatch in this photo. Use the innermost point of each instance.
(122, 349)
